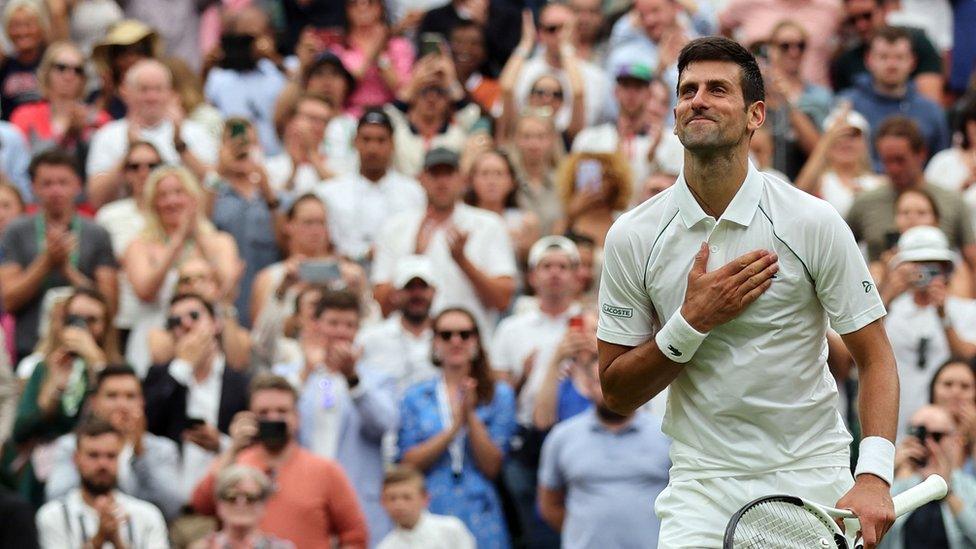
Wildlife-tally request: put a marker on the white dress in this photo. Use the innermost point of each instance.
(149, 316)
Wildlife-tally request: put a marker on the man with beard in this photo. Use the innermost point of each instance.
(96, 514)
(599, 499)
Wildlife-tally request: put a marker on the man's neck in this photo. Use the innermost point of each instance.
(58, 218)
(715, 178)
(411, 525)
(555, 306)
(615, 426)
(440, 214)
(202, 371)
(373, 175)
(896, 90)
(917, 183)
(274, 459)
(427, 124)
(89, 498)
(144, 122)
(629, 125)
(414, 328)
(552, 58)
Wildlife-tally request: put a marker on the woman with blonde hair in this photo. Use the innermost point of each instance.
(28, 28)
(595, 188)
(189, 101)
(176, 229)
(242, 494)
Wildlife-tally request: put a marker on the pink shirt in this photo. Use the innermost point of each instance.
(753, 20)
(371, 88)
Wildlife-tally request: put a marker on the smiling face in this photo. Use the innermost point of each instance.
(25, 31)
(546, 92)
(172, 201)
(455, 339)
(491, 179)
(66, 78)
(468, 48)
(955, 386)
(655, 17)
(787, 47)
(913, 209)
(712, 114)
(142, 159)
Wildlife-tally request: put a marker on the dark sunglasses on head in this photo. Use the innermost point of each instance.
(235, 497)
(176, 320)
(64, 67)
(447, 335)
(548, 94)
(133, 166)
(784, 47)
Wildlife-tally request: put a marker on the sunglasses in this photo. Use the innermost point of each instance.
(63, 67)
(548, 94)
(800, 46)
(177, 320)
(551, 28)
(246, 496)
(133, 166)
(447, 335)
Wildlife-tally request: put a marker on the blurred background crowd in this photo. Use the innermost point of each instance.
(322, 273)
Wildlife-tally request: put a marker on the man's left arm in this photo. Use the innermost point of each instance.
(375, 398)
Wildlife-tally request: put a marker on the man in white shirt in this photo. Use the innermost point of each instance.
(721, 288)
(468, 247)
(302, 166)
(359, 203)
(405, 499)
(148, 94)
(96, 514)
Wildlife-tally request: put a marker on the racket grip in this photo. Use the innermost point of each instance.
(932, 488)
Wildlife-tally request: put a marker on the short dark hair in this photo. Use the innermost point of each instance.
(306, 197)
(115, 370)
(336, 300)
(718, 48)
(270, 382)
(891, 35)
(904, 127)
(52, 157)
(94, 426)
(194, 297)
(404, 473)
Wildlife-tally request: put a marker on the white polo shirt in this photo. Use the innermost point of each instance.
(391, 349)
(757, 396)
(358, 207)
(70, 522)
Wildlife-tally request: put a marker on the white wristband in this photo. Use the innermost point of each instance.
(678, 340)
(876, 455)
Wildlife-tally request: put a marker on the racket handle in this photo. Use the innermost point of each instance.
(931, 489)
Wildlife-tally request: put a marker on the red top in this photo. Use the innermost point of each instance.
(35, 118)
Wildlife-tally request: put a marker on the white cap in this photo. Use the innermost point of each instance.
(414, 266)
(547, 243)
(854, 119)
(923, 243)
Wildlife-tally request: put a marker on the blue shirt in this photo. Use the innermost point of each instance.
(251, 95)
(15, 156)
(610, 480)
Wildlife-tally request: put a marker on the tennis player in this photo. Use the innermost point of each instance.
(721, 288)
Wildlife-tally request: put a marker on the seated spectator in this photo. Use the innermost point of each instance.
(795, 107)
(592, 197)
(27, 25)
(955, 168)
(360, 203)
(242, 495)
(867, 17)
(405, 500)
(468, 247)
(61, 118)
(379, 61)
(887, 91)
(492, 186)
(839, 168)
(597, 498)
(127, 42)
(535, 151)
(456, 429)
(52, 248)
(953, 388)
(247, 81)
(400, 345)
(345, 405)
(19, 529)
(302, 167)
(148, 464)
(498, 19)
(148, 93)
(176, 230)
(97, 512)
(313, 501)
(933, 446)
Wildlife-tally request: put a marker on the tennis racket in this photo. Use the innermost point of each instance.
(790, 522)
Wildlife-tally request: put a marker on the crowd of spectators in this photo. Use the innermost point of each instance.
(323, 273)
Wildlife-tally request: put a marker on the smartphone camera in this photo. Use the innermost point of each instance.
(920, 433)
(273, 434)
(927, 273)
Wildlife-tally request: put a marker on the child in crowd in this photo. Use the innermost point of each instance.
(405, 499)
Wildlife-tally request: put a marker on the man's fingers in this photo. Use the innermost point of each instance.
(758, 278)
(757, 267)
(701, 260)
(754, 293)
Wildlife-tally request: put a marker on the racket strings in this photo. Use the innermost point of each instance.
(782, 525)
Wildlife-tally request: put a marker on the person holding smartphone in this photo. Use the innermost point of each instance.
(594, 188)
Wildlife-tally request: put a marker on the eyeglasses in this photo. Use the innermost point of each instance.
(177, 320)
(235, 497)
(551, 28)
(64, 67)
(855, 17)
(800, 46)
(547, 94)
(447, 335)
(133, 166)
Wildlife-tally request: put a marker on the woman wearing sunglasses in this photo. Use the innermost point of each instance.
(456, 429)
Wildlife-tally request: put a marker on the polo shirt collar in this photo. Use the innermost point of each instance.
(740, 211)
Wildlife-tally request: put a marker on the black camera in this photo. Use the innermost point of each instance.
(921, 433)
(272, 434)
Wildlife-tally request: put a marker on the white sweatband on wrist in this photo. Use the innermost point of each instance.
(678, 340)
(876, 455)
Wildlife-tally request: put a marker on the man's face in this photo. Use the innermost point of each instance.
(554, 276)
(97, 460)
(375, 146)
(119, 400)
(56, 187)
(901, 164)
(308, 227)
(632, 96)
(589, 17)
(711, 113)
(655, 16)
(275, 405)
(431, 100)
(338, 325)
(415, 299)
(316, 114)
(443, 185)
(149, 94)
(328, 81)
(864, 16)
(468, 48)
(890, 63)
(552, 20)
(404, 502)
(193, 317)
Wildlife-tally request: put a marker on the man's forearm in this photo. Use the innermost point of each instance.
(494, 292)
(22, 287)
(635, 376)
(878, 401)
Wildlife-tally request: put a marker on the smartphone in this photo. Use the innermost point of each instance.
(891, 239)
(272, 433)
(589, 175)
(237, 128)
(576, 323)
(926, 273)
(319, 272)
(194, 422)
(431, 43)
(238, 52)
(921, 433)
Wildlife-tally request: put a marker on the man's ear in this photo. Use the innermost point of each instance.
(757, 115)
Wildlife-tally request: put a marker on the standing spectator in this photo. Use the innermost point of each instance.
(887, 90)
(127, 42)
(52, 248)
(468, 247)
(147, 464)
(360, 203)
(314, 502)
(599, 498)
(868, 17)
(963, 45)
(302, 166)
(405, 499)
(97, 513)
(493, 186)
(456, 430)
(242, 495)
(247, 81)
(379, 61)
(148, 93)
(28, 27)
(345, 406)
(61, 119)
(498, 19)
(752, 22)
